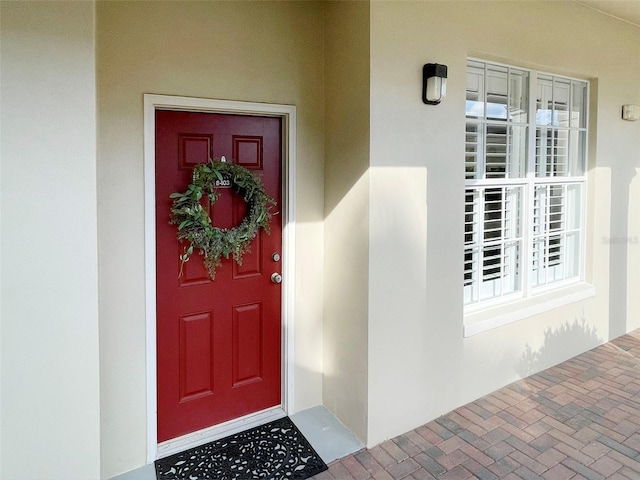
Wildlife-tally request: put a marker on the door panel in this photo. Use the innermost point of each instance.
(219, 351)
(196, 347)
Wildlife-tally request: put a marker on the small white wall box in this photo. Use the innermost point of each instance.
(631, 112)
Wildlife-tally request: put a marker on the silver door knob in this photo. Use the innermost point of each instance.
(276, 277)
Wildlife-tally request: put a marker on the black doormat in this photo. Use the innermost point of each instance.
(276, 450)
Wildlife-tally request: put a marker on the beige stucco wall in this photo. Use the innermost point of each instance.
(346, 213)
(632, 242)
(50, 401)
(389, 305)
(251, 51)
(417, 353)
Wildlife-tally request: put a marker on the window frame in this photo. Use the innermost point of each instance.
(529, 182)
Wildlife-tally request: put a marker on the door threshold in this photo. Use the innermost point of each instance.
(216, 432)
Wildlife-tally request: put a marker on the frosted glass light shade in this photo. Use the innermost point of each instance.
(434, 83)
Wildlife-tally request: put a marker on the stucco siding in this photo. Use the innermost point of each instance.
(50, 403)
(417, 352)
(345, 359)
(249, 51)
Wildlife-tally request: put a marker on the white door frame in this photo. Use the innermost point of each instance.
(288, 115)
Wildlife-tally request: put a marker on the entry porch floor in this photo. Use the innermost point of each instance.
(577, 420)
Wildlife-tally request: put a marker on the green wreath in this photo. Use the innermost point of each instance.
(194, 224)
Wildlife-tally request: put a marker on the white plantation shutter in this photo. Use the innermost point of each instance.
(556, 233)
(493, 242)
(524, 168)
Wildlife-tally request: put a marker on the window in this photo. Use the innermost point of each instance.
(526, 135)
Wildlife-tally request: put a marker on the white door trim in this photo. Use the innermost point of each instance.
(288, 115)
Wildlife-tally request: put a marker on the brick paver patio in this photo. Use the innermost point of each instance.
(578, 420)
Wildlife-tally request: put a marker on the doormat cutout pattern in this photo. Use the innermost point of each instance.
(275, 451)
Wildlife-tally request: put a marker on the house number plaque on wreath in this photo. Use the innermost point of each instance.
(224, 183)
(225, 180)
(193, 221)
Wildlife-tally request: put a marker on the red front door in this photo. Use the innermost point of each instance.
(218, 341)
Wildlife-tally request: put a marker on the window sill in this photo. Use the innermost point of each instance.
(493, 317)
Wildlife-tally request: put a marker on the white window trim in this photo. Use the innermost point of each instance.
(506, 313)
(492, 313)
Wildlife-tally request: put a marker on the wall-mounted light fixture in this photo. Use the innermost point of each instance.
(631, 112)
(434, 83)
